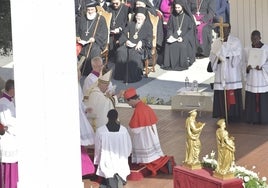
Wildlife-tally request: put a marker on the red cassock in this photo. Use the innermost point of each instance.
(145, 116)
(142, 116)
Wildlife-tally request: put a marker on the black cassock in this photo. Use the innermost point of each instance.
(85, 29)
(180, 55)
(119, 20)
(129, 62)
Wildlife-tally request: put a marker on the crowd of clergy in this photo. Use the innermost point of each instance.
(182, 32)
(175, 32)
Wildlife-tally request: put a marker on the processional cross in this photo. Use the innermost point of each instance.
(221, 25)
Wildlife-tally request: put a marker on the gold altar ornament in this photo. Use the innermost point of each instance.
(193, 143)
(226, 151)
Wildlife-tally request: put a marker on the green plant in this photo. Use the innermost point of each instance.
(250, 178)
(150, 100)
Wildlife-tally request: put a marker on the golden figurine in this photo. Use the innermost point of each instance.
(226, 150)
(193, 144)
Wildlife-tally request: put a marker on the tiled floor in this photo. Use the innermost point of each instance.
(251, 143)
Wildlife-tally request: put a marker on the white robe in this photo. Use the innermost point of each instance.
(8, 142)
(100, 105)
(257, 80)
(87, 134)
(112, 150)
(146, 144)
(228, 74)
(90, 80)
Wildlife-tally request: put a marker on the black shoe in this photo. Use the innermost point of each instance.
(169, 167)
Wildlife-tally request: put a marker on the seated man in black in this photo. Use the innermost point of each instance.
(135, 44)
(92, 34)
(119, 22)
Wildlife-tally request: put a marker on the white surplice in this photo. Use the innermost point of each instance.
(257, 80)
(112, 150)
(146, 144)
(8, 141)
(228, 73)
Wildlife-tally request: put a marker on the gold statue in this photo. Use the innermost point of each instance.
(226, 150)
(193, 144)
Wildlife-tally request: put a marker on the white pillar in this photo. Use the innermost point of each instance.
(46, 93)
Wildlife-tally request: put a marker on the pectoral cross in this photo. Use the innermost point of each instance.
(87, 33)
(179, 32)
(221, 24)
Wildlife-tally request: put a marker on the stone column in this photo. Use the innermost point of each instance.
(46, 86)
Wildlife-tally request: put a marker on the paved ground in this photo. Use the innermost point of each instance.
(6, 67)
(164, 84)
(6, 70)
(161, 84)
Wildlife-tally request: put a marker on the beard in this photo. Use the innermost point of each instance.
(180, 12)
(138, 25)
(91, 16)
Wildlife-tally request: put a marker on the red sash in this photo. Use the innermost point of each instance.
(230, 98)
(257, 102)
